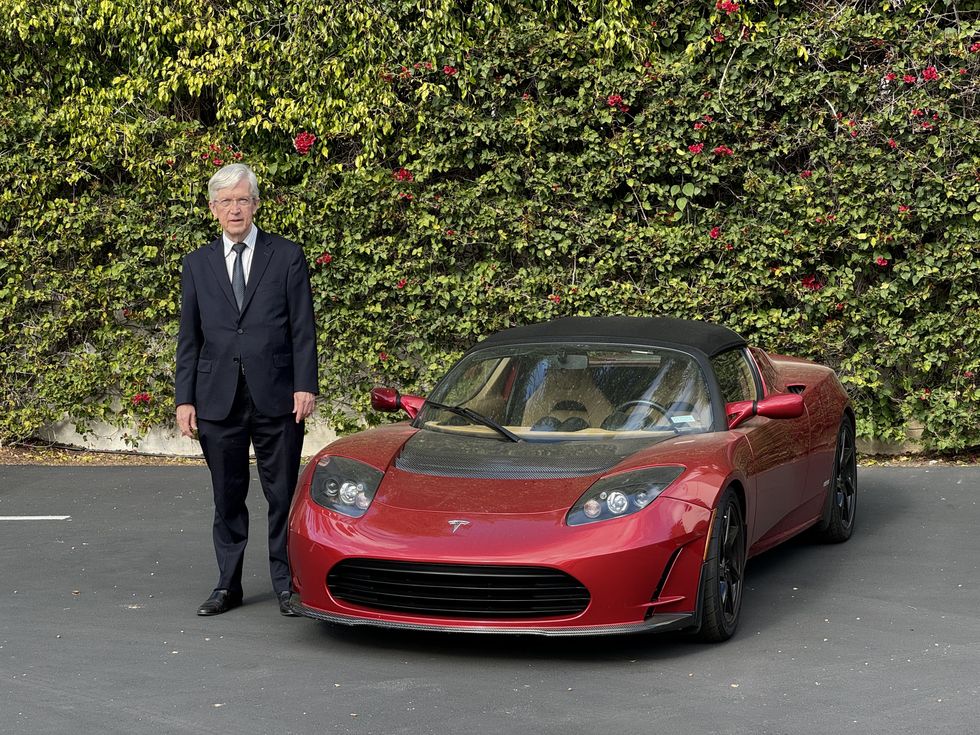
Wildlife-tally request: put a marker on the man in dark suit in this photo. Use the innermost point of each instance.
(246, 373)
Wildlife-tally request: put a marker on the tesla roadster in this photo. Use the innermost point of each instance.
(577, 477)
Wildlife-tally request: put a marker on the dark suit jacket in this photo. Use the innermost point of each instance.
(274, 335)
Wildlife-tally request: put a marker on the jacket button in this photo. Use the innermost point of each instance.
(241, 331)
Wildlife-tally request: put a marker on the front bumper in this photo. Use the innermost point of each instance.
(642, 572)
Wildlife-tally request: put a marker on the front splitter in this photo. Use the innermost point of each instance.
(661, 623)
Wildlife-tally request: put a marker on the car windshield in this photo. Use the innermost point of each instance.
(571, 391)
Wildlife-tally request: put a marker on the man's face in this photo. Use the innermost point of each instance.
(234, 208)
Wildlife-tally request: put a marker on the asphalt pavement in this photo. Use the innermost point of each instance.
(98, 631)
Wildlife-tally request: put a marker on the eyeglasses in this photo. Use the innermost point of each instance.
(226, 203)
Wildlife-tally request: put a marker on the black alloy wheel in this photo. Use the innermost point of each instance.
(722, 583)
(839, 523)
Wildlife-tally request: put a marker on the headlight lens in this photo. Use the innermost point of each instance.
(620, 495)
(344, 485)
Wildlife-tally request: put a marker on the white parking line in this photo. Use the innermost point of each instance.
(35, 518)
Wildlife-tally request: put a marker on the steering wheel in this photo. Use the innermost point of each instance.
(651, 406)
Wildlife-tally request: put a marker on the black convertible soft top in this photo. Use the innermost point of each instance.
(711, 339)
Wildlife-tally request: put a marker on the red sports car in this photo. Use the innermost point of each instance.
(576, 477)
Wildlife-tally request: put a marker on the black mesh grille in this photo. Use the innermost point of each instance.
(457, 590)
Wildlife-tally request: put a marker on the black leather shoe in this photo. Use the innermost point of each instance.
(220, 601)
(284, 607)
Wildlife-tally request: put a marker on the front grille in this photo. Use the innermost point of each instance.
(457, 590)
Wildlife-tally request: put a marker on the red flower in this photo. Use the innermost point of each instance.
(383, 356)
(891, 76)
(449, 70)
(729, 246)
(237, 156)
(909, 79)
(405, 195)
(554, 298)
(303, 142)
(839, 306)
(214, 147)
(718, 37)
(624, 108)
(930, 74)
(402, 283)
(324, 258)
(962, 72)
(925, 394)
(806, 173)
(881, 262)
(892, 143)
(699, 125)
(715, 233)
(142, 398)
(723, 150)
(728, 6)
(708, 119)
(916, 112)
(428, 65)
(170, 162)
(217, 161)
(403, 174)
(811, 283)
(903, 208)
(525, 96)
(696, 148)
(975, 48)
(205, 156)
(967, 373)
(450, 232)
(614, 100)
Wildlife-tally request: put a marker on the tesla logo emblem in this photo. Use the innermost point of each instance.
(458, 524)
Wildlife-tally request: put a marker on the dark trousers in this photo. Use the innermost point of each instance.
(278, 442)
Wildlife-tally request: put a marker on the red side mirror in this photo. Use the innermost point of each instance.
(385, 399)
(779, 406)
(389, 400)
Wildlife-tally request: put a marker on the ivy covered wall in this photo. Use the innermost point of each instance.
(805, 172)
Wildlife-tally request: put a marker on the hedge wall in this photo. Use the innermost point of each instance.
(804, 172)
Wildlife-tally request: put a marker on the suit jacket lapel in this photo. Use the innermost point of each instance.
(260, 261)
(216, 257)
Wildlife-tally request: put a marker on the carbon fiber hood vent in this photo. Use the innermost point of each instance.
(454, 455)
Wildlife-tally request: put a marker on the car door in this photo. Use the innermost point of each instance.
(779, 449)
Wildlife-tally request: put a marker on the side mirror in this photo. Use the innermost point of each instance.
(389, 400)
(779, 406)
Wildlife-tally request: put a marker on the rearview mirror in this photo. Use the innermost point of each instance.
(779, 406)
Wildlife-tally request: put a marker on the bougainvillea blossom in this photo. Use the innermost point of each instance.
(715, 233)
(722, 150)
(403, 174)
(696, 148)
(303, 142)
(324, 258)
(811, 283)
(141, 399)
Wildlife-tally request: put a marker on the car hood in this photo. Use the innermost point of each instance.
(428, 471)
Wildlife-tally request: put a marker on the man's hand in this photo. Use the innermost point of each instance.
(187, 419)
(303, 405)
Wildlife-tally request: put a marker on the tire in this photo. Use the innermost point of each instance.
(724, 570)
(838, 524)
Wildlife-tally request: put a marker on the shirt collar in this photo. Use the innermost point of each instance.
(249, 240)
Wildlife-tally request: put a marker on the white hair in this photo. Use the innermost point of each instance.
(229, 176)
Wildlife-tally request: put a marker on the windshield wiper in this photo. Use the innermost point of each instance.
(479, 418)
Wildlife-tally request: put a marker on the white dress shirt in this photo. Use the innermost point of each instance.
(246, 253)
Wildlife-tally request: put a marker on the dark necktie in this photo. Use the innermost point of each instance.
(238, 274)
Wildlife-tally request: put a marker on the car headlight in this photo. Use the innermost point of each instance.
(344, 485)
(620, 495)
